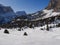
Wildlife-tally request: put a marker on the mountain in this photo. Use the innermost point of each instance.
(20, 13)
(5, 9)
(53, 9)
(50, 13)
(6, 14)
(54, 4)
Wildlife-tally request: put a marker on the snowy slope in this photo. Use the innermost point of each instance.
(46, 14)
(35, 37)
(50, 13)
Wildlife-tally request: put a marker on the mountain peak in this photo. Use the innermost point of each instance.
(54, 4)
(5, 9)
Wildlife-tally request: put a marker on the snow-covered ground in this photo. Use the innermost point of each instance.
(35, 37)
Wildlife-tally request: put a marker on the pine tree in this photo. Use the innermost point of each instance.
(47, 27)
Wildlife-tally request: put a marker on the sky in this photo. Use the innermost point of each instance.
(30, 6)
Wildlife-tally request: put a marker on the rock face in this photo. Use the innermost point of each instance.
(54, 4)
(6, 14)
(5, 9)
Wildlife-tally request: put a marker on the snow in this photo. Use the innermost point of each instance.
(49, 13)
(18, 19)
(35, 37)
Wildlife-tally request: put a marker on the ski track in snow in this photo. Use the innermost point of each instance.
(35, 37)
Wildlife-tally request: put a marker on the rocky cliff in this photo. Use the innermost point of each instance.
(5, 9)
(54, 4)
